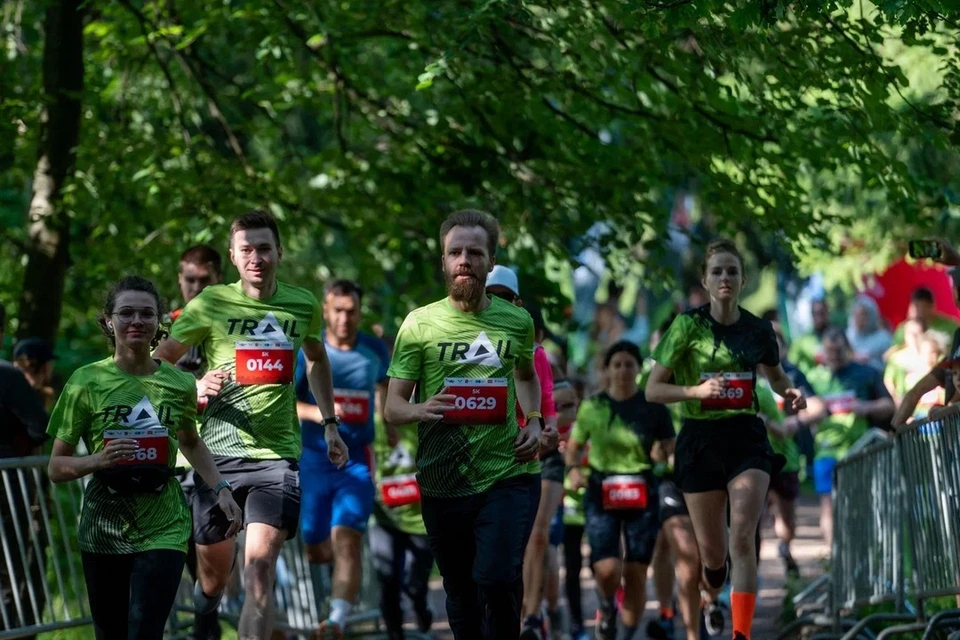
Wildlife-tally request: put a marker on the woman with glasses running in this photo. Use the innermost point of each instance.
(708, 360)
(132, 413)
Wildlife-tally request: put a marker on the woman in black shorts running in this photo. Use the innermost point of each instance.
(709, 360)
(627, 435)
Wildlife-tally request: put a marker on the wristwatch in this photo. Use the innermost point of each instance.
(335, 420)
(220, 486)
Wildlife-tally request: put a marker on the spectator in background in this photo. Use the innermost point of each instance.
(855, 399)
(904, 359)
(868, 338)
(806, 351)
(938, 376)
(24, 422)
(931, 352)
(34, 357)
(923, 307)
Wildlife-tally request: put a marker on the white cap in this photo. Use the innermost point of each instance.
(504, 277)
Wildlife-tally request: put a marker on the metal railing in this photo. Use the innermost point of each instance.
(41, 574)
(41, 577)
(896, 510)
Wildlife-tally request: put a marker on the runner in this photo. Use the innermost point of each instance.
(337, 503)
(676, 558)
(566, 404)
(470, 359)
(503, 283)
(713, 354)
(573, 514)
(133, 413)
(200, 266)
(627, 435)
(855, 399)
(398, 538)
(249, 332)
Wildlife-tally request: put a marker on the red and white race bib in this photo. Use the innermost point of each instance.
(264, 362)
(478, 401)
(354, 405)
(624, 492)
(839, 404)
(399, 491)
(154, 444)
(738, 394)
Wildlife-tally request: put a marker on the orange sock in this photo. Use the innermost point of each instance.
(742, 606)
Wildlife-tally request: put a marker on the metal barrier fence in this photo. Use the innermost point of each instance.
(41, 578)
(41, 574)
(896, 506)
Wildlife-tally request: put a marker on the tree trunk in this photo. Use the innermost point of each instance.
(48, 246)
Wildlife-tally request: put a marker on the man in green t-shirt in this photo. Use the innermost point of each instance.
(249, 333)
(470, 359)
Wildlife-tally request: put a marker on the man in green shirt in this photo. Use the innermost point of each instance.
(470, 359)
(250, 332)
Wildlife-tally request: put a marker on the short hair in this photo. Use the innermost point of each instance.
(255, 219)
(718, 246)
(472, 218)
(922, 294)
(343, 287)
(770, 315)
(835, 334)
(201, 254)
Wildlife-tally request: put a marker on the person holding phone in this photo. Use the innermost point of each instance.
(133, 414)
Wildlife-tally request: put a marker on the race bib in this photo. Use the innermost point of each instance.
(839, 404)
(399, 491)
(154, 445)
(624, 492)
(738, 394)
(354, 405)
(264, 362)
(478, 401)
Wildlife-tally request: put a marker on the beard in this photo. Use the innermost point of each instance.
(467, 291)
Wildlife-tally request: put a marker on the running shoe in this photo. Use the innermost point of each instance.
(533, 628)
(660, 629)
(607, 625)
(713, 618)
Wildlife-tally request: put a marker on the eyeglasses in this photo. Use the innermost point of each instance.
(127, 314)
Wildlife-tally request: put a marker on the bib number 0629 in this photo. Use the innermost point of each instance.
(480, 402)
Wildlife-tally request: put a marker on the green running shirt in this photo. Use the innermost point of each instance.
(100, 397)
(696, 347)
(438, 346)
(255, 414)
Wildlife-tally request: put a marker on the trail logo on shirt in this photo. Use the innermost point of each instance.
(143, 415)
(267, 329)
(480, 351)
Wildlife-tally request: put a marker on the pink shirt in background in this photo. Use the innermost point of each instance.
(541, 365)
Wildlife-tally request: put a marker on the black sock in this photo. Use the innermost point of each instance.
(715, 577)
